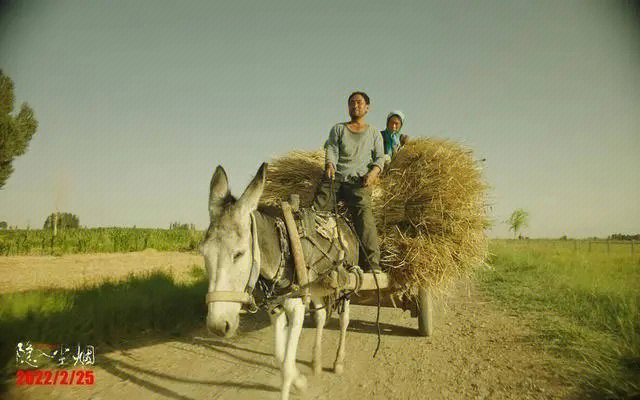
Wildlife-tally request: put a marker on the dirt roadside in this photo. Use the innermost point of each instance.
(477, 352)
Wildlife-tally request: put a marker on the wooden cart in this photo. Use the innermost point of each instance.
(420, 306)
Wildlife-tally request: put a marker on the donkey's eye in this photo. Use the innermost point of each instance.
(237, 255)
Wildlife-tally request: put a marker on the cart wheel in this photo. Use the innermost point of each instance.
(425, 320)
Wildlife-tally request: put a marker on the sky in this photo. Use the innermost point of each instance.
(138, 102)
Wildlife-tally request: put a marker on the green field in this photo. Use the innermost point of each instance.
(96, 240)
(582, 299)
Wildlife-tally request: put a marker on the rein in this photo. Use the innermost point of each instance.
(245, 297)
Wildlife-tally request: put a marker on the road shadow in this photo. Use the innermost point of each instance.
(254, 322)
(135, 374)
(228, 349)
(369, 327)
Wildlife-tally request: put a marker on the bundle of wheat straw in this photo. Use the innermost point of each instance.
(429, 208)
(298, 172)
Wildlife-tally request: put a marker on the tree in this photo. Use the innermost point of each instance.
(178, 225)
(518, 220)
(63, 220)
(3, 224)
(15, 131)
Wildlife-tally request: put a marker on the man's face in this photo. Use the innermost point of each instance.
(394, 124)
(357, 106)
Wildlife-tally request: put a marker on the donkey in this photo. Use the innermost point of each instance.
(239, 239)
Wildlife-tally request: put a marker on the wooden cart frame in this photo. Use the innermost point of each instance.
(420, 306)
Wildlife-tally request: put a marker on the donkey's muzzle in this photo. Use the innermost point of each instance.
(225, 327)
(221, 320)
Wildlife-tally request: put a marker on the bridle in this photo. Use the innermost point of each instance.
(245, 297)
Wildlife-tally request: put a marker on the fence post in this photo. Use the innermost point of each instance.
(608, 247)
(632, 248)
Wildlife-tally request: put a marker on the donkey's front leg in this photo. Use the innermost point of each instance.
(320, 317)
(294, 308)
(279, 322)
(338, 366)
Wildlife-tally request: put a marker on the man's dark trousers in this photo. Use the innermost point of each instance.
(358, 199)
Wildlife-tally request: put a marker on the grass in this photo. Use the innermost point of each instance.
(96, 240)
(584, 302)
(100, 315)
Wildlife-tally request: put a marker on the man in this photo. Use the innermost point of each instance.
(354, 157)
(391, 137)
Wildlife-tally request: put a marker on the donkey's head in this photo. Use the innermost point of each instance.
(227, 250)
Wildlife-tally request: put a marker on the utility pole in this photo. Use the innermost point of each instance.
(55, 223)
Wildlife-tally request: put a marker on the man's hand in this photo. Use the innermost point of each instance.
(370, 177)
(330, 171)
(404, 139)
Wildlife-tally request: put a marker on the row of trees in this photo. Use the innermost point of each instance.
(178, 225)
(620, 236)
(520, 219)
(65, 220)
(62, 221)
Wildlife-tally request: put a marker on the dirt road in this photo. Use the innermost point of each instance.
(477, 352)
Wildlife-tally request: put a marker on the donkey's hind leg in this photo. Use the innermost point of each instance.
(320, 316)
(338, 366)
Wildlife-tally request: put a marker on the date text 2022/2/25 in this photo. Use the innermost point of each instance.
(55, 377)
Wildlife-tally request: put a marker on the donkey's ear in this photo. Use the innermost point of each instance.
(248, 202)
(218, 191)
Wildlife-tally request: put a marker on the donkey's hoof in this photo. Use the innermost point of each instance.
(338, 369)
(300, 382)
